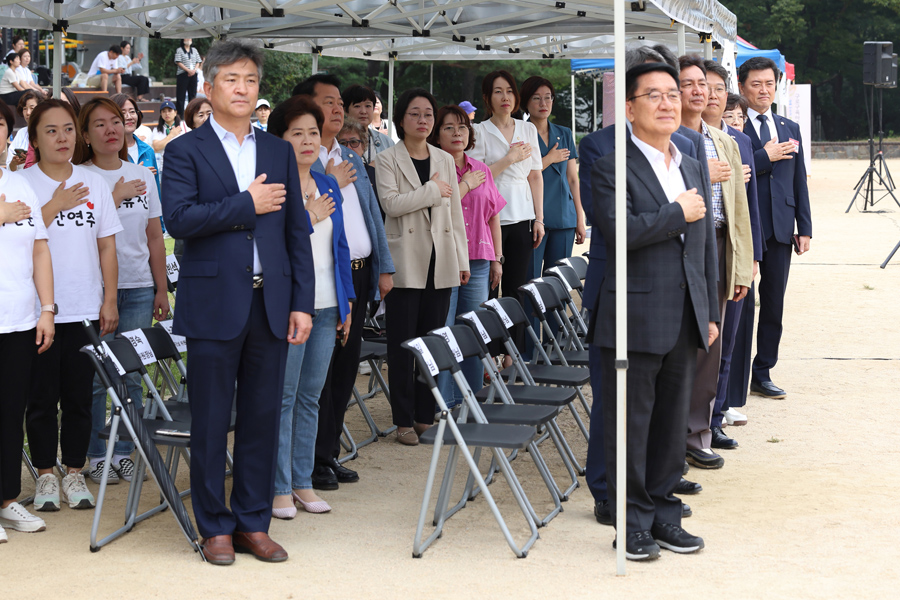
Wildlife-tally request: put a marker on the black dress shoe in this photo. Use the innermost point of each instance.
(639, 545)
(686, 468)
(688, 487)
(602, 513)
(767, 389)
(343, 474)
(722, 441)
(323, 478)
(705, 459)
(686, 511)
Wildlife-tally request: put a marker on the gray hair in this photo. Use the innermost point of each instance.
(640, 55)
(228, 52)
(354, 126)
(668, 56)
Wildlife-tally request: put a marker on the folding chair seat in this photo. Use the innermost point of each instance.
(374, 353)
(432, 355)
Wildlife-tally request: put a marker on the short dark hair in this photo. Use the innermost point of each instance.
(7, 115)
(451, 110)
(667, 55)
(487, 89)
(115, 49)
(736, 100)
(72, 98)
(193, 107)
(121, 99)
(357, 93)
(83, 151)
(757, 63)
(307, 87)
(403, 103)
(124, 43)
(22, 53)
(634, 74)
(530, 87)
(641, 54)
(292, 108)
(691, 60)
(35, 120)
(717, 69)
(9, 58)
(15, 40)
(23, 100)
(228, 52)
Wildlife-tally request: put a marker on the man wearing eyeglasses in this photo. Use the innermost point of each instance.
(734, 250)
(672, 307)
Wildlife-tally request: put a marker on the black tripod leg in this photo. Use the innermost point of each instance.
(863, 182)
(891, 255)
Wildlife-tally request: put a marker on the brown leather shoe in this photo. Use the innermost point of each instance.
(218, 550)
(260, 545)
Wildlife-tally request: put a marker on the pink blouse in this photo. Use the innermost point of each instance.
(479, 205)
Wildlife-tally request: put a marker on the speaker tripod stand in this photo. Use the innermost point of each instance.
(865, 187)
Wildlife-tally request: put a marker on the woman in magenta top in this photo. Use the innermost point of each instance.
(481, 204)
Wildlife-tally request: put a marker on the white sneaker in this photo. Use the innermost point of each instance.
(733, 417)
(96, 474)
(75, 491)
(17, 518)
(3, 537)
(365, 368)
(46, 496)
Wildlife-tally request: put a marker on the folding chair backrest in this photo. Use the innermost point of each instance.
(566, 273)
(511, 307)
(161, 343)
(563, 296)
(465, 339)
(579, 263)
(432, 355)
(549, 297)
(126, 355)
(492, 326)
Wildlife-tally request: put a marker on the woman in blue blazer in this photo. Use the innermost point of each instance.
(299, 121)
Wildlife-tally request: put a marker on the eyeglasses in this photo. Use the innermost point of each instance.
(451, 129)
(656, 97)
(719, 89)
(548, 99)
(417, 116)
(352, 142)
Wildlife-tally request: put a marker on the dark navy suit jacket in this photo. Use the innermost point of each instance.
(203, 205)
(783, 195)
(593, 147)
(746, 148)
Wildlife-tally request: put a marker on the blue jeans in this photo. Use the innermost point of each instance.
(135, 312)
(463, 299)
(304, 377)
(556, 245)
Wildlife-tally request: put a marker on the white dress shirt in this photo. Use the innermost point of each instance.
(354, 223)
(770, 122)
(669, 177)
(243, 162)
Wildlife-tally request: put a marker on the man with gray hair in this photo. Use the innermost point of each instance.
(246, 290)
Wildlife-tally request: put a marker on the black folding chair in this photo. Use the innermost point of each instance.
(432, 355)
(547, 303)
(570, 281)
(579, 263)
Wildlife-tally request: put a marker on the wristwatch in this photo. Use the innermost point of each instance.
(500, 259)
(53, 308)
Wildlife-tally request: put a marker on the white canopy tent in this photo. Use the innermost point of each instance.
(419, 30)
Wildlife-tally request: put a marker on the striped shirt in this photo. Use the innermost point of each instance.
(718, 205)
(189, 59)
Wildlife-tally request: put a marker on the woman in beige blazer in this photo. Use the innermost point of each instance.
(426, 235)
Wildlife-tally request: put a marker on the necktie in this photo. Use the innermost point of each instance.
(764, 135)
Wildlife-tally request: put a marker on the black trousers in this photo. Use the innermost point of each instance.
(739, 374)
(62, 379)
(140, 83)
(773, 278)
(342, 372)
(518, 249)
(17, 352)
(256, 360)
(412, 313)
(184, 84)
(658, 398)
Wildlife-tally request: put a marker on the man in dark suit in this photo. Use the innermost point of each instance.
(783, 201)
(246, 289)
(671, 288)
(592, 148)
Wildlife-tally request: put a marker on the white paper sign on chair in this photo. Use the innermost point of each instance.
(536, 296)
(180, 341)
(471, 316)
(172, 268)
(448, 336)
(141, 345)
(495, 304)
(422, 349)
(561, 278)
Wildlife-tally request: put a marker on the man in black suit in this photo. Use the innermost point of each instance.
(672, 308)
(232, 193)
(783, 201)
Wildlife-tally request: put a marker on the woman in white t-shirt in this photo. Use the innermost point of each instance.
(11, 89)
(24, 73)
(26, 105)
(170, 126)
(510, 148)
(26, 325)
(140, 251)
(81, 220)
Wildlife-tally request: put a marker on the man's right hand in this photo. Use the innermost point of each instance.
(747, 173)
(782, 151)
(692, 204)
(344, 172)
(267, 197)
(719, 170)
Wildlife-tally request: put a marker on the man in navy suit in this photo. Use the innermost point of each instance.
(592, 148)
(246, 290)
(783, 202)
(672, 308)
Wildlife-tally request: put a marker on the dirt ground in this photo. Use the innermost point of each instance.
(805, 508)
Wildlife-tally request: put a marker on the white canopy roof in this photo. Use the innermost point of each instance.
(379, 29)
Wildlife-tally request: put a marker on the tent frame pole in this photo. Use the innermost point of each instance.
(58, 52)
(574, 124)
(682, 43)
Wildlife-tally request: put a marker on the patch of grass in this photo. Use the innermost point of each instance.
(866, 286)
(773, 440)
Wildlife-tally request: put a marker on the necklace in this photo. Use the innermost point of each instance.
(305, 194)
